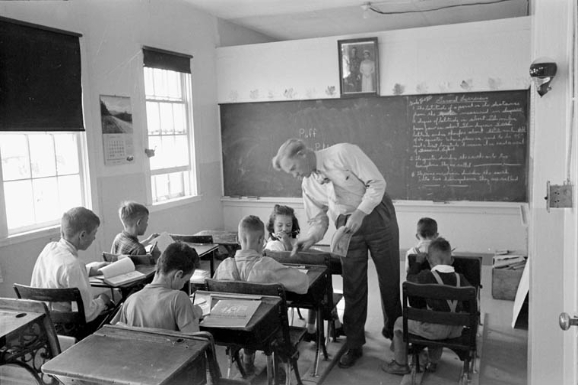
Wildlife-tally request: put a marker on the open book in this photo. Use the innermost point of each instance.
(340, 242)
(120, 272)
(231, 313)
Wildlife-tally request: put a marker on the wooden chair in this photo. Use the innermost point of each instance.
(32, 345)
(315, 258)
(68, 323)
(285, 347)
(465, 345)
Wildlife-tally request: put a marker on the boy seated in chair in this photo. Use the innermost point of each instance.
(59, 266)
(162, 304)
(250, 265)
(135, 220)
(439, 257)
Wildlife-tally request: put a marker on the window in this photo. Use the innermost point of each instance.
(42, 177)
(42, 146)
(169, 117)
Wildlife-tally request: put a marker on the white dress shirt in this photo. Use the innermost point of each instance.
(354, 183)
(58, 266)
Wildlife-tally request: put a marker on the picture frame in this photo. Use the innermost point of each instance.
(355, 79)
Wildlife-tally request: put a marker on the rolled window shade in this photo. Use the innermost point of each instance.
(158, 58)
(40, 78)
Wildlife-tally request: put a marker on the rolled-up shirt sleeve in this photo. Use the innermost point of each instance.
(316, 207)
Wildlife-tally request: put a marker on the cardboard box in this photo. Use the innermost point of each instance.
(505, 282)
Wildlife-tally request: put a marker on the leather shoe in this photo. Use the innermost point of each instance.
(310, 337)
(350, 357)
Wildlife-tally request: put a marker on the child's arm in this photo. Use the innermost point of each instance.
(148, 240)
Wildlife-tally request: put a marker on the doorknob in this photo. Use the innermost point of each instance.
(566, 321)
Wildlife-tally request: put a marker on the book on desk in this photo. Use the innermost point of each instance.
(119, 273)
(231, 313)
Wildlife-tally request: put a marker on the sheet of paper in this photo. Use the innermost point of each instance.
(340, 242)
(162, 241)
(122, 266)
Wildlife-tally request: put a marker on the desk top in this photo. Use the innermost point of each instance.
(11, 321)
(203, 248)
(221, 237)
(116, 355)
(147, 270)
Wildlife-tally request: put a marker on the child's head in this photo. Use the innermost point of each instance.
(177, 264)
(427, 228)
(134, 216)
(78, 226)
(439, 252)
(251, 233)
(283, 219)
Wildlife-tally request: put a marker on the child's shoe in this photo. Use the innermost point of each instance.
(394, 368)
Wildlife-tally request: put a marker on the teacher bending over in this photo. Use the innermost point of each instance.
(341, 182)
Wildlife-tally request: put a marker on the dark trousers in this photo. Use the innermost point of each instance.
(379, 234)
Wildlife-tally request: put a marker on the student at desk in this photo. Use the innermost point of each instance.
(440, 259)
(58, 265)
(162, 304)
(135, 220)
(250, 265)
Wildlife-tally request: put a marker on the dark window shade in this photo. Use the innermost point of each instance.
(40, 84)
(158, 58)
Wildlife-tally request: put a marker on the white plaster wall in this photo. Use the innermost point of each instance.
(113, 35)
(481, 56)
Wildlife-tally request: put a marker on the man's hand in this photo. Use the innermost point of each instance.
(302, 245)
(354, 221)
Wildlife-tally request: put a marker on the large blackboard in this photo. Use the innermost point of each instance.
(445, 147)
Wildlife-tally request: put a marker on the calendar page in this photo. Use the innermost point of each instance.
(117, 132)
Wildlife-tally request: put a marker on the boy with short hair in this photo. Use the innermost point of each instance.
(162, 304)
(427, 231)
(439, 257)
(250, 265)
(135, 219)
(58, 265)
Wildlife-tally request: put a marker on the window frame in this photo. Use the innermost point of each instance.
(186, 81)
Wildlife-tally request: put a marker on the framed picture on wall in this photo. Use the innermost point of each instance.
(358, 67)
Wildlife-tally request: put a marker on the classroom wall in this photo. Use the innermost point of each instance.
(481, 56)
(113, 34)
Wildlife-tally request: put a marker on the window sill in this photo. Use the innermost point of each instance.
(174, 203)
(52, 232)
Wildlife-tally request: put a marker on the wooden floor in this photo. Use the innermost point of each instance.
(503, 353)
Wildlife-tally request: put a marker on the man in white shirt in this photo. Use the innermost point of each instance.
(58, 265)
(341, 182)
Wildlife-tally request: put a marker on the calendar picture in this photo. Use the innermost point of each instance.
(117, 131)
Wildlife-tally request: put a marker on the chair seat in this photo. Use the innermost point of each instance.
(297, 333)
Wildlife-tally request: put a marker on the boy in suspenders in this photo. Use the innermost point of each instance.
(440, 259)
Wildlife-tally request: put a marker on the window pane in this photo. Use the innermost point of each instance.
(46, 200)
(174, 85)
(162, 187)
(181, 151)
(176, 184)
(15, 160)
(42, 158)
(160, 89)
(66, 154)
(19, 207)
(167, 124)
(153, 118)
(180, 118)
(70, 193)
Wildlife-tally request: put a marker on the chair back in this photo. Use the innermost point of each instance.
(466, 295)
(469, 267)
(66, 322)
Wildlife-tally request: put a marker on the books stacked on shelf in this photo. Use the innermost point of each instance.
(505, 259)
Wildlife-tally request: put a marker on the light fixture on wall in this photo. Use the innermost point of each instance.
(365, 7)
(542, 71)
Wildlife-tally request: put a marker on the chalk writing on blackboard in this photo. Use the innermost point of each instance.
(466, 143)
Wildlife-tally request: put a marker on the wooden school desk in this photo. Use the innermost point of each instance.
(319, 279)
(120, 355)
(259, 334)
(205, 251)
(228, 239)
(27, 336)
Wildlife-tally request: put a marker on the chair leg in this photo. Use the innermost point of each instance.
(299, 314)
(270, 369)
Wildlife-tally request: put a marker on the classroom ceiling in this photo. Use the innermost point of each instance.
(302, 19)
